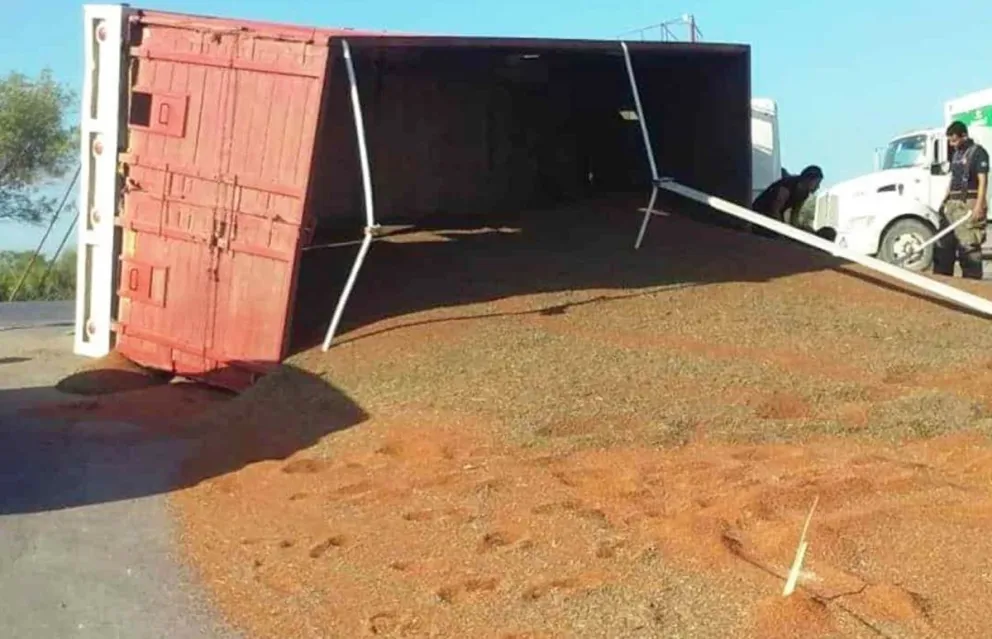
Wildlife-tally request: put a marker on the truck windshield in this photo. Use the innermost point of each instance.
(906, 152)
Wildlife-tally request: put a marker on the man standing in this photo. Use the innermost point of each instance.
(966, 197)
(788, 195)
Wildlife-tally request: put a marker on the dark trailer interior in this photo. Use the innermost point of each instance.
(538, 135)
(498, 168)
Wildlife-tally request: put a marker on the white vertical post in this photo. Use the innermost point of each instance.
(648, 149)
(370, 225)
(100, 121)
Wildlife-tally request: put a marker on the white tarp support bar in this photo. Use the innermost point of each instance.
(370, 225)
(648, 149)
(933, 240)
(934, 287)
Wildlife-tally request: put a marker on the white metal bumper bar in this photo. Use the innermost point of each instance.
(101, 137)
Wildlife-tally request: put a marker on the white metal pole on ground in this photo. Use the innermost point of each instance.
(647, 217)
(939, 289)
(370, 225)
(648, 149)
(933, 240)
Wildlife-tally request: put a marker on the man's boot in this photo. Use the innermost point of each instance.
(971, 264)
(943, 258)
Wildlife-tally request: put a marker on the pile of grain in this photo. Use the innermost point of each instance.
(534, 435)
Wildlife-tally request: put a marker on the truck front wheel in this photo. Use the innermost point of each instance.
(901, 239)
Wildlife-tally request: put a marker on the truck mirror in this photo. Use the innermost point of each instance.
(936, 168)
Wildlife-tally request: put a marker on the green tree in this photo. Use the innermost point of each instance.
(36, 145)
(47, 280)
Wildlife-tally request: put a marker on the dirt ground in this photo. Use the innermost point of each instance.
(572, 439)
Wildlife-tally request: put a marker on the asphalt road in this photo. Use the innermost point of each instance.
(86, 542)
(36, 314)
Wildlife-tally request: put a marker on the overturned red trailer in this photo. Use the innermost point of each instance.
(215, 150)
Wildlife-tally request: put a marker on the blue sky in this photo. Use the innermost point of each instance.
(847, 75)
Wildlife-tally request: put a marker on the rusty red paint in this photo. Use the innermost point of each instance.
(218, 166)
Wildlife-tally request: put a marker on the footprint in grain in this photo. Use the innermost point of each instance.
(335, 541)
(490, 486)
(304, 467)
(540, 590)
(453, 593)
(419, 515)
(609, 548)
(357, 488)
(497, 539)
(392, 624)
(383, 623)
(556, 507)
(596, 516)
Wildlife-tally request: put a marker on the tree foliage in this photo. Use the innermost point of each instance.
(60, 283)
(36, 145)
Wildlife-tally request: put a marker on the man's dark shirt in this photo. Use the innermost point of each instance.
(969, 161)
(797, 195)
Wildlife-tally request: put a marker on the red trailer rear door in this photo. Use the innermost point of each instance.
(221, 130)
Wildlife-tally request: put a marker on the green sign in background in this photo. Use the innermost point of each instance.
(981, 116)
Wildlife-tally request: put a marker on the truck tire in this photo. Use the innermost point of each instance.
(827, 234)
(902, 237)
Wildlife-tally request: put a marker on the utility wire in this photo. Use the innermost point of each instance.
(41, 244)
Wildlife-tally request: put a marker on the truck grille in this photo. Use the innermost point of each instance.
(826, 212)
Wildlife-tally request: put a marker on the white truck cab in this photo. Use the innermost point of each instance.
(893, 210)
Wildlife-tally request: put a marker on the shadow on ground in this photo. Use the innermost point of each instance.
(77, 451)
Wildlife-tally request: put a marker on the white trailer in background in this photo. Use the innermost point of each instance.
(893, 210)
(766, 159)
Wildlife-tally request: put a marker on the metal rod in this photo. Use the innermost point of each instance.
(370, 225)
(640, 111)
(343, 300)
(41, 244)
(974, 302)
(363, 153)
(922, 247)
(58, 251)
(648, 149)
(647, 217)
